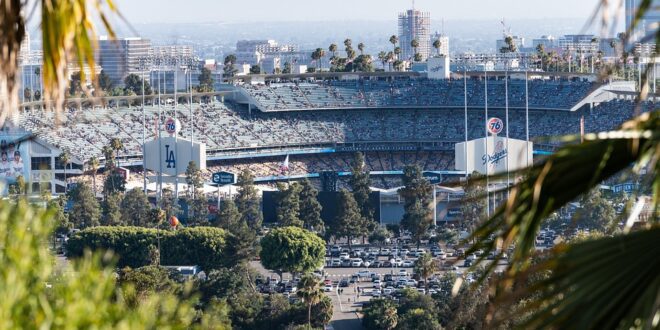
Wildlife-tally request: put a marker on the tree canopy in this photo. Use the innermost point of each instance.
(292, 249)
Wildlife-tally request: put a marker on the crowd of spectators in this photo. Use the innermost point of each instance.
(331, 94)
(225, 127)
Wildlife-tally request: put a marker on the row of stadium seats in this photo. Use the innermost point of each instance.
(543, 94)
(225, 126)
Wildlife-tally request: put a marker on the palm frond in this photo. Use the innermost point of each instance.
(559, 179)
(608, 283)
(69, 33)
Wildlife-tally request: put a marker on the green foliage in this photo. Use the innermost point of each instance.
(288, 205)
(310, 208)
(149, 280)
(85, 211)
(292, 249)
(425, 267)
(247, 200)
(114, 182)
(228, 218)
(348, 222)
(202, 246)
(474, 204)
(381, 314)
(359, 183)
(74, 84)
(61, 221)
(105, 83)
(133, 85)
(379, 236)
(255, 69)
(595, 213)
(417, 194)
(206, 83)
(112, 210)
(169, 204)
(37, 296)
(418, 318)
(229, 69)
(135, 209)
(197, 203)
(309, 290)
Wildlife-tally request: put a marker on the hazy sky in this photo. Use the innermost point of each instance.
(187, 11)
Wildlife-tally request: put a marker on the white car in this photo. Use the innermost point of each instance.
(327, 288)
(411, 282)
(388, 291)
(403, 272)
(364, 273)
(377, 284)
(375, 293)
(407, 263)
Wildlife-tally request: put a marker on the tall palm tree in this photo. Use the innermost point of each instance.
(37, 73)
(382, 56)
(390, 59)
(108, 154)
(309, 290)
(361, 48)
(437, 44)
(397, 52)
(348, 42)
(414, 44)
(425, 266)
(117, 145)
(65, 158)
(93, 165)
(333, 49)
(321, 56)
(394, 40)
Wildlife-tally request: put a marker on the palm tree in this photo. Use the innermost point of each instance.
(361, 48)
(64, 35)
(348, 42)
(108, 154)
(37, 73)
(578, 279)
(116, 144)
(333, 49)
(390, 59)
(437, 44)
(414, 44)
(382, 56)
(397, 52)
(425, 266)
(93, 167)
(309, 290)
(394, 40)
(65, 159)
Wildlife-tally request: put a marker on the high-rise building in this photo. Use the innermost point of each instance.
(648, 24)
(578, 43)
(444, 43)
(122, 57)
(415, 25)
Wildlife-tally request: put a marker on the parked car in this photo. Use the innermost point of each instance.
(407, 263)
(377, 284)
(343, 283)
(327, 288)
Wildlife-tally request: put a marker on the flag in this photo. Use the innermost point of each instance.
(284, 167)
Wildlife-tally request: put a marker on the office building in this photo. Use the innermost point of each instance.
(578, 43)
(415, 25)
(548, 42)
(122, 57)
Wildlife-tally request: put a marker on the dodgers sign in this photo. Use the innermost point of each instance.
(434, 178)
(495, 125)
